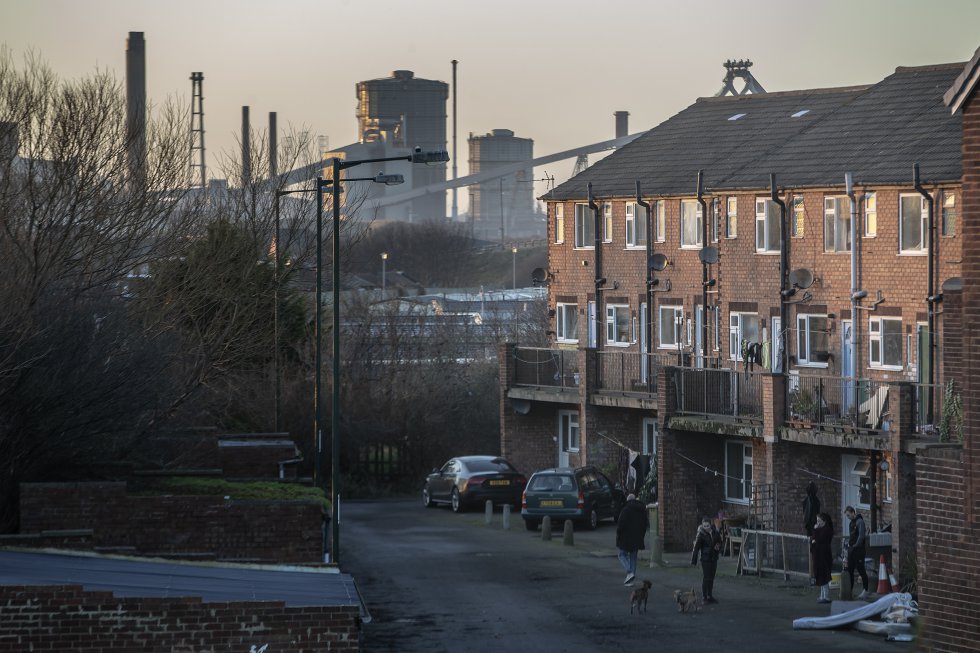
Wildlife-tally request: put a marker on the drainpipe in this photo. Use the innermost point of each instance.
(599, 281)
(783, 279)
(649, 342)
(704, 270)
(931, 283)
(855, 296)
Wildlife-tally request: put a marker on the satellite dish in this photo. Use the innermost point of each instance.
(538, 275)
(658, 262)
(801, 278)
(708, 255)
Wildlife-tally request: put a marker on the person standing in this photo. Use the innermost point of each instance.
(707, 547)
(631, 529)
(821, 552)
(857, 540)
(811, 508)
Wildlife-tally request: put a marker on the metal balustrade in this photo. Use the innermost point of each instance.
(719, 392)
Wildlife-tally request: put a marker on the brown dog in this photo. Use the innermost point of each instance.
(639, 596)
(687, 601)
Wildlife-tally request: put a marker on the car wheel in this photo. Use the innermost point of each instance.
(593, 521)
(531, 524)
(457, 501)
(426, 497)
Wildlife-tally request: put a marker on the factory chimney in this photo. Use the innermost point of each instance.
(136, 109)
(246, 149)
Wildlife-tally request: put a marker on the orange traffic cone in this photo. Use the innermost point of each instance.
(891, 579)
(883, 587)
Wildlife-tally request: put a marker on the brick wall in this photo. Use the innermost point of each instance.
(66, 618)
(267, 531)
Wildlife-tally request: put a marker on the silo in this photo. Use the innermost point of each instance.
(404, 112)
(502, 209)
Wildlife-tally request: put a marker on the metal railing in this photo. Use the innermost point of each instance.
(546, 367)
(719, 392)
(834, 400)
(630, 371)
(924, 393)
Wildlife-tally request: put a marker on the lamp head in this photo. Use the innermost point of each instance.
(388, 180)
(434, 157)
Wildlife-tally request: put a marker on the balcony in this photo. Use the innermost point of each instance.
(542, 374)
(718, 400)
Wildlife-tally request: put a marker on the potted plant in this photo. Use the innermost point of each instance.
(576, 375)
(802, 404)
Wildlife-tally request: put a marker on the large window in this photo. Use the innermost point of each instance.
(607, 222)
(837, 224)
(660, 211)
(731, 223)
(636, 225)
(691, 223)
(799, 217)
(949, 213)
(767, 227)
(738, 472)
(649, 436)
(566, 322)
(812, 340)
(913, 217)
(670, 325)
(742, 327)
(885, 342)
(559, 223)
(618, 325)
(584, 226)
(568, 430)
(870, 215)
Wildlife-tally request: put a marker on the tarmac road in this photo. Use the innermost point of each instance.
(437, 581)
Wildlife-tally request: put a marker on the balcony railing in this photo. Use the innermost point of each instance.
(924, 393)
(834, 400)
(546, 367)
(719, 392)
(629, 371)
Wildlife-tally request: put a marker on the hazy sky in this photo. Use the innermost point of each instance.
(554, 71)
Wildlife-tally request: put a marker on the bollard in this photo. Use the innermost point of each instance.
(546, 528)
(569, 536)
(656, 544)
(506, 517)
(488, 513)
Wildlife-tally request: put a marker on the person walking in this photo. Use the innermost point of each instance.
(821, 552)
(707, 546)
(857, 540)
(631, 529)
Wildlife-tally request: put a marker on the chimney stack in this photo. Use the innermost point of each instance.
(136, 109)
(622, 123)
(246, 149)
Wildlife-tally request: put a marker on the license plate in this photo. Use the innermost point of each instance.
(503, 481)
(552, 503)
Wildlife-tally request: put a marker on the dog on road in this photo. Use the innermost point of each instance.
(687, 601)
(639, 596)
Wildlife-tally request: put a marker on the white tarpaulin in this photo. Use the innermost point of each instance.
(852, 616)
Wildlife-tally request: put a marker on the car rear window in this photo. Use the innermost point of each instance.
(498, 465)
(553, 483)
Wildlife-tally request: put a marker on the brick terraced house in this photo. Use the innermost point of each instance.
(778, 326)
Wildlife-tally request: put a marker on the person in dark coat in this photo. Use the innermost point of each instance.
(857, 541)
(821, 552)
(811, 508)
(707, 546)
(631, 529)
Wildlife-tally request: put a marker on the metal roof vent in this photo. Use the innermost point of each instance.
(802, 112)
(737, 116)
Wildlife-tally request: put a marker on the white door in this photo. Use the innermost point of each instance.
(698, 351)
(568, 435)
(593, 327)
(856, 485)
(847, 364)
(777, 345)
(644, 359)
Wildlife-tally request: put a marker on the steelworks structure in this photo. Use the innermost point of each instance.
(504, 207)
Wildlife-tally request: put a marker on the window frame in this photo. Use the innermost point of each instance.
(648, 427)
(876, 336)
(574, 428)
(607, 222)
(798, 227)
(698, 223)
(923, 226)
(676, 311)
(660, 226)
(870, 205)
(561, 328)
(745, 468)
(735, 332)
(613, 325)
(947, 224)
(559, 223)
(803, 334)
(731, 217)
(715, 219)
(765, 218)
(636, 222)
(835, 222)
(584, 226)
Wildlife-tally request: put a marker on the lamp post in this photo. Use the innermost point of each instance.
(513, 250)
(418, 156)
(384, 277)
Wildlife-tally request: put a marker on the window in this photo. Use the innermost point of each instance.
(584, 227)
(636, 225)
(618, 325)
(837, 224)
(862, 470)
(949, 213)
(715, 218)
(731, 224)
(559, 223)
(799, 214)
(742, 326)
(649, 436)
(568, 430)
(738, 472)
(691, 223)
(661, 226)
(870, 215)
(767, 228)
(566, 322)
(885, 342)
(669, 324)
(812, 339)
(913, 216)
(607, 225)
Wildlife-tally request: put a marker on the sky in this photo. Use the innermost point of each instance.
(551, 70)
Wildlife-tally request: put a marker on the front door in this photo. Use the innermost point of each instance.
(568, 436)
(777, 345)
(644, 350)
(923, 363)
(592, 325)
(855, 485)
(698, 350)
(847, 365)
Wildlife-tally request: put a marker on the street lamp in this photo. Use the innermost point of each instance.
(384, 278)
(339, 165)
(513, 250)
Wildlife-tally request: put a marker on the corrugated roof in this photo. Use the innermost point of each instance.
(875, 132)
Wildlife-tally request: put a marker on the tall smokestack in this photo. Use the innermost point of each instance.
(136, 108)
(246, 150)
(622, 123)
(273, 144)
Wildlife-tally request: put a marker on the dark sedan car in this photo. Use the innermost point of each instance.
(467, 481)
(584, 495)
